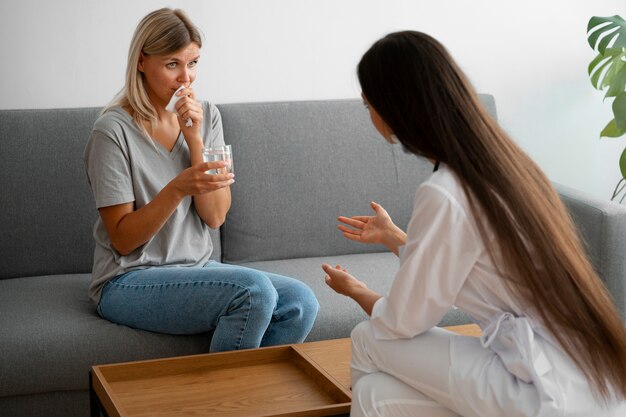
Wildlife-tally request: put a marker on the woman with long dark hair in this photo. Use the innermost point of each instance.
(488, 235)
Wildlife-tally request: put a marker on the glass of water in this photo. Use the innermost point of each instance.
(219, 153)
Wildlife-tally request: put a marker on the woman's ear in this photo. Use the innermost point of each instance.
(140, 62)
(388, 133)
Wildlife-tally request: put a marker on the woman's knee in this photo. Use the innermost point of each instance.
(362, 362)
(261, 291)
(252, 290)
(364, 395)
(365, 386)
(361, 333)
(295, 298)
(304, 298)
(380, 394)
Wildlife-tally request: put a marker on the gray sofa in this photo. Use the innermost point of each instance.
(298, 166)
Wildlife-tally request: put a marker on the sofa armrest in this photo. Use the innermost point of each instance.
(602, 227)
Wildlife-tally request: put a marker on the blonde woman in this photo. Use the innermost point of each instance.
(489, 235)
(156, 203)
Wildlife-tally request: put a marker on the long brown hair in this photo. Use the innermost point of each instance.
(420, 92)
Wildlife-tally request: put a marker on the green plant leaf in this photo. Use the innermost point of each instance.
(593, 64)
(608, 70)
(611, 131)
(596, 66)
(617, 83)
(611, 59)
(622, 163)
(604, 68)
(612, 22)
(619, 111)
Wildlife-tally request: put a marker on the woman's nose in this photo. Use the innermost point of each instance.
(184, 76)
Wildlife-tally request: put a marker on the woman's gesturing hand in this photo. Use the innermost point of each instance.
(373, 229)
(343, 283)
(367, 229)
(195, 180)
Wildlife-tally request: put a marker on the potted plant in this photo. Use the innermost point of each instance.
(607, 71)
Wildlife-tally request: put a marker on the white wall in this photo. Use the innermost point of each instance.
(532, 55)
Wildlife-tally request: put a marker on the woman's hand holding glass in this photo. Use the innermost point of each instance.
(196, 180)
(377, 229)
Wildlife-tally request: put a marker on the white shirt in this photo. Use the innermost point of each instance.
(444, 263)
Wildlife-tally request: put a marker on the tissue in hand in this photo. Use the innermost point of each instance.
(171, 106)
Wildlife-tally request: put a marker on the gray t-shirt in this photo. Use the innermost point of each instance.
(124, 166)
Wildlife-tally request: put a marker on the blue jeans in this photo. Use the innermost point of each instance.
(243, 307)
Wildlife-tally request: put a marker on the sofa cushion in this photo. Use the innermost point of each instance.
(48, 404)
(297, 169)
(338, 314)
(48, 196)
(52, 335)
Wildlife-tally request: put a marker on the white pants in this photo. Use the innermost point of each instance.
(387, 382)
(416, 377)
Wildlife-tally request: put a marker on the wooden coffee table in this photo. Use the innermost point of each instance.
(308, 379)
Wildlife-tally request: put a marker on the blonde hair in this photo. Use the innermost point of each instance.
(161, 32)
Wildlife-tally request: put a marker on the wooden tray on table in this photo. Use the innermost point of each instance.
(275, 381)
